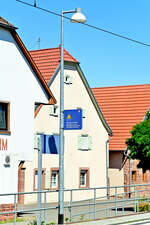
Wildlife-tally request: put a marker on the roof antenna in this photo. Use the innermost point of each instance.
(39, 42)
(34, 3)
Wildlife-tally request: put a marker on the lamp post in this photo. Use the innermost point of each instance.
(129, 173)
(77, 17)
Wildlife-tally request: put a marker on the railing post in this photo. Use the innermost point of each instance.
(45, 204)
(115, 200)
(107, 206)
(89, 209)
(135, 199)
(70, 208)
(122, 203)
(15, 209)
(94, 203)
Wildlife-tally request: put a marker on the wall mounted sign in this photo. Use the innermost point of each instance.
(3, 144)
(73, 119)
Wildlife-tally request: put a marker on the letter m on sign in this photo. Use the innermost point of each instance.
(4, 144)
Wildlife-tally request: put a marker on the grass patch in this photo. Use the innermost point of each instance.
(12, 220)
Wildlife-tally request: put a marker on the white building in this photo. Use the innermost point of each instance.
(21, 86)
(85, 149)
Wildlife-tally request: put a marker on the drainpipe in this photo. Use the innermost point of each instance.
(127, 154)
(107, 166)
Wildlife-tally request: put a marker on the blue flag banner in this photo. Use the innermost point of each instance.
(50, 144)
(73, 119)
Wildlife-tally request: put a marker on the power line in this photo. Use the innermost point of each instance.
(86, 24)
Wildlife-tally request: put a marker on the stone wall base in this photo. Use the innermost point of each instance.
(6, 208)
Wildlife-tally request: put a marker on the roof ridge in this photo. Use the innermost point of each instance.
(43, 49)
(65, 51)
(130, 85)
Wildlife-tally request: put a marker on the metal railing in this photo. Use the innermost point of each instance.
(81, 204)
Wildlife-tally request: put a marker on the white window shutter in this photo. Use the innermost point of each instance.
(89, 142)
(51, 110)
(83, 113)
(47, 179)
(70, 80)
(80, 142)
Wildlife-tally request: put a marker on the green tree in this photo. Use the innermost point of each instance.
(139, 143)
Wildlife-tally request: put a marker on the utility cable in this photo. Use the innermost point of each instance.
(88, 25)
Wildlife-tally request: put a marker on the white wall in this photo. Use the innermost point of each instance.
(75, 96)
(20, 87)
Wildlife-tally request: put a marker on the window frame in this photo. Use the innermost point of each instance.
(7, 130)
(87, 185)
(133, 175)
(43, 179)
(54, 169)
(54, 110)
(81, 143)
(67, 79)
(144, 176)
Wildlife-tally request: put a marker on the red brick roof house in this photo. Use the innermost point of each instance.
(85, 149)
(22, 87)
(123, 107)
(47, 60)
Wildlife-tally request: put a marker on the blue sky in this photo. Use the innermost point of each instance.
(105, 60)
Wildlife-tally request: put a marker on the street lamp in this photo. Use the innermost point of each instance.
(78, 17)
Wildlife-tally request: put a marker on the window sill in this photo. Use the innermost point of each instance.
(83, 187)
(5, 132)
(54, 189)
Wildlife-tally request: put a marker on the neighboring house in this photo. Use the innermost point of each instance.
(85, 149)
(123, 107)
(21, 87)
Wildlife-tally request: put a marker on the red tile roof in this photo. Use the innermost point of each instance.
(48, 59)
(5, 22)
(123, 107)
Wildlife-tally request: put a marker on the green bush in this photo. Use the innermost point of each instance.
(144, 206)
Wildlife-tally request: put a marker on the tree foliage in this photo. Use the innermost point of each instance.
(139, 143)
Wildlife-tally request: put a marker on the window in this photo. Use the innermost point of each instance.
(84, 178)
(4, 116)
(35, 182)
(67, 79)
(84, 142)
(54, 178)
(133, 176)
(144, 176)
(54, 110)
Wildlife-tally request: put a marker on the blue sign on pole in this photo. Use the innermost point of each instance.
(73, 119)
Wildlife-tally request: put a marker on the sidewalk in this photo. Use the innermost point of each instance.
(113, 221)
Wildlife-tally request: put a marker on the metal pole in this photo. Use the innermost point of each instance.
(15, 209)
(39, 179)
(70, 206)
(45, 204)
(129, 177)
(94, 203)
(61, 132)
(107, 166)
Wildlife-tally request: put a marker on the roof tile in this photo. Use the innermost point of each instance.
(48, 59)
(123, 107)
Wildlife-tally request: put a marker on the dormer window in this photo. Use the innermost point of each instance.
(67, 79)
(54, 110)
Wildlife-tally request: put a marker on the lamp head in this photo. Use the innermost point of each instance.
(78, 17)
